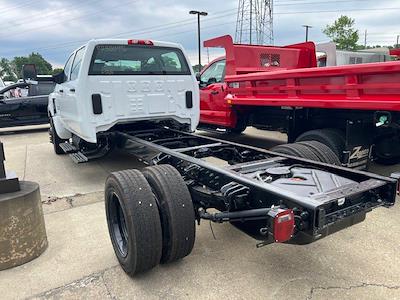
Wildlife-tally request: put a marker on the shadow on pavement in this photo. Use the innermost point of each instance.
(23, 129)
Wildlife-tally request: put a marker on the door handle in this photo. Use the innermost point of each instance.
(61, 91)
(72, 90)
(214, 93)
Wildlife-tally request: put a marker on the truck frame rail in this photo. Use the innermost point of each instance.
(252, 187)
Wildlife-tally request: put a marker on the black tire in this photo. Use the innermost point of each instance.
(324, 153)
(133, 221)
(241, 126)
(333, 138)
(55, 139)
(296, 149)
(176, 211)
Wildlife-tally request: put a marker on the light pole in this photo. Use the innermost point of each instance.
(198, 13)
(307, 27)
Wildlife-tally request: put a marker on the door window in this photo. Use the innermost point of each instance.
(67, 68)
(214, 73)
(76, 66)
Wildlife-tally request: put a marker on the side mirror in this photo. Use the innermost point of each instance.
(29, 72)
(211, 80)
(198, 76)
(59, 78)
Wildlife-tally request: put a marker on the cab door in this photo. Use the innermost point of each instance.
(213, 107)
(60, 90)
(71, 105)
(15, 111)
(10, 112)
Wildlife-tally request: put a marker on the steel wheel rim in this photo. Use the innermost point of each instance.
(119, 231)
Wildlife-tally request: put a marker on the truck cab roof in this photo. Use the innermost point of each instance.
(94, 42)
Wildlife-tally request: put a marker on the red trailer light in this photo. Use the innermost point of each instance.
(140, 42)
(282, 224)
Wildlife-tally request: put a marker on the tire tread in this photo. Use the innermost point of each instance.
(141, 209)
(176, 208)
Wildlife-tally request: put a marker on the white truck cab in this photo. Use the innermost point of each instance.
(109, 82)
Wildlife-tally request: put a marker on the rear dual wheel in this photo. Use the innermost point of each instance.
(311, 150)
(333, 138)
(176, 211)
(150, 217)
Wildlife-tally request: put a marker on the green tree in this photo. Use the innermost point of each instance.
(6, 71)
(56, 71)
(342, 32)
(42, 66)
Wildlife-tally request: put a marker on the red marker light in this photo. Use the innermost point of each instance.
(282, 224)
(140, 42)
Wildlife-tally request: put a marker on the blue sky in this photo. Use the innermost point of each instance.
(54, 28)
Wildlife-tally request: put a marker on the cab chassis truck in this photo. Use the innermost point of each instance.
(151, 214)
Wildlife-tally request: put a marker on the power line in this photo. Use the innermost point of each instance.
(41, 15)
(328, 1)
(380, 34)
(332, 11)
(151, 29)
(70, 19)
(319, 2)
(186, 22)
(58, 12)
(18, 6)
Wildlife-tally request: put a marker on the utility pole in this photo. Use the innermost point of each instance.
(397, 43)
(307, 27)
(365, 39)
(198, 13)
(251, 18)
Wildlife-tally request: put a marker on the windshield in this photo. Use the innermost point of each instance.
(137, 60)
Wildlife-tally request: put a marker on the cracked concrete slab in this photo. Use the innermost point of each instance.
(363, 291)
(91, 287)
(54, 204)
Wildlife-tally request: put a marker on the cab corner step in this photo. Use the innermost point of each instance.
(78, 157)
(68, 148)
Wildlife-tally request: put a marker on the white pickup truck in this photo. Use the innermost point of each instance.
(109, 83)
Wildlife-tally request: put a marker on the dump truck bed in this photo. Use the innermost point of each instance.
(374, 86)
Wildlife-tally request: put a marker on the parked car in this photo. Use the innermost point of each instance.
(25, 102)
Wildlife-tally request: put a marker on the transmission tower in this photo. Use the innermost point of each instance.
(254, 24)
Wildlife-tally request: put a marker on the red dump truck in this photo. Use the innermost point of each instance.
(354, 109)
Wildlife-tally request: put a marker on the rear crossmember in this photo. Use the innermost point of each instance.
(270, 196)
